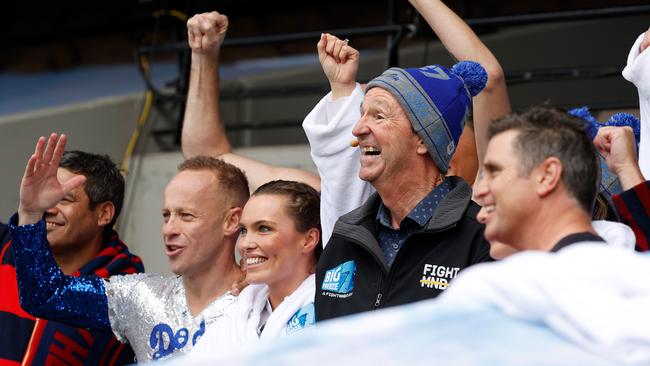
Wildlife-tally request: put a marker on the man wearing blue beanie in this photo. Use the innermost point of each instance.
(413, 236)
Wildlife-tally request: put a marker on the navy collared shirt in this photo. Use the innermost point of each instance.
(391, 240)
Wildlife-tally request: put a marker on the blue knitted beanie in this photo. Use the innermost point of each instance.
(436, 101)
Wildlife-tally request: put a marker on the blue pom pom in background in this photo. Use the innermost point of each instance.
(473, 74)
(626, 119)
(592, 124)
(620, 119)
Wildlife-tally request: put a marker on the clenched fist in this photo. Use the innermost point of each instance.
(206, 31)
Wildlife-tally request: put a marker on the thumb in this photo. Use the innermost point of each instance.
(602, 141)
(73, 183)
(349, 54)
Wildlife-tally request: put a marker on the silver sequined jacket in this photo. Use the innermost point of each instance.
(150, 312)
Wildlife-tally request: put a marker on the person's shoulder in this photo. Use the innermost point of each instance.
(145, 278)
(130, 285)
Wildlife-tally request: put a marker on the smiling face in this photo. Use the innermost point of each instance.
(508, 198)
(271, 245)
(72, 224)
(387, 141)
(193, 218)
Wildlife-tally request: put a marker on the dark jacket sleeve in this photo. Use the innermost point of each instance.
(633, 207)
(46, 292)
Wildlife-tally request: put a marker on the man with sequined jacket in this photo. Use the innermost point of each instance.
(79, 231)
(158, 315)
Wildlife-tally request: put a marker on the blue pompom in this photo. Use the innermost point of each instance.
(591, 122)
(473, 74)
(584, 113)
(625, 119)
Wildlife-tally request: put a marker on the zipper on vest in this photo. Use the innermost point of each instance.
(380, 289)
(378, 301)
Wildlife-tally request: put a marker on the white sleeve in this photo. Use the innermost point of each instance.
(329, 131)
(637, 72)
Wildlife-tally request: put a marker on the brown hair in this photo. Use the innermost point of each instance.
(231, 178)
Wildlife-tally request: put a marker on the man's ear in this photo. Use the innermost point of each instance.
(231, 221)
(312, 238)
(421, 148)
(548, 176)
(105, 212)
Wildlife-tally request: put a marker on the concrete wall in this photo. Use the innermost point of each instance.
(100, 126)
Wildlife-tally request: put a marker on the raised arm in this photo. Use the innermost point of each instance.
(637, 71)
(44, 290)
(617, 145)
(463, 44)
(203, 129)
(329, 130)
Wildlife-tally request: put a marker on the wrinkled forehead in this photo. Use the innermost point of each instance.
(379, 97)
(379, 100)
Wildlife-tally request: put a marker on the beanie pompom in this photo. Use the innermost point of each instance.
(591, 122)
(473, 74)
(625, 119)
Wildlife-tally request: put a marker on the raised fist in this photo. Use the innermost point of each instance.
(340, 62)
(206, 31)
(618, 147)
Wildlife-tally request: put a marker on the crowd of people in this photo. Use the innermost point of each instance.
(440, 176)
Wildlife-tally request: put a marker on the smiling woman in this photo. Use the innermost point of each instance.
(280, 244)
(280, 236)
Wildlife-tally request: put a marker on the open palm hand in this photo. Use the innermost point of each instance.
(40, 188)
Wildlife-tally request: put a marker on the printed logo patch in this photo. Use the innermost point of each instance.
(164, 341)
(340, 279)
(434, 72)
(305, 317)
(437, 276)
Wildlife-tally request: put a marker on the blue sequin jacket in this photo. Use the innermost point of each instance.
(46, 292)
